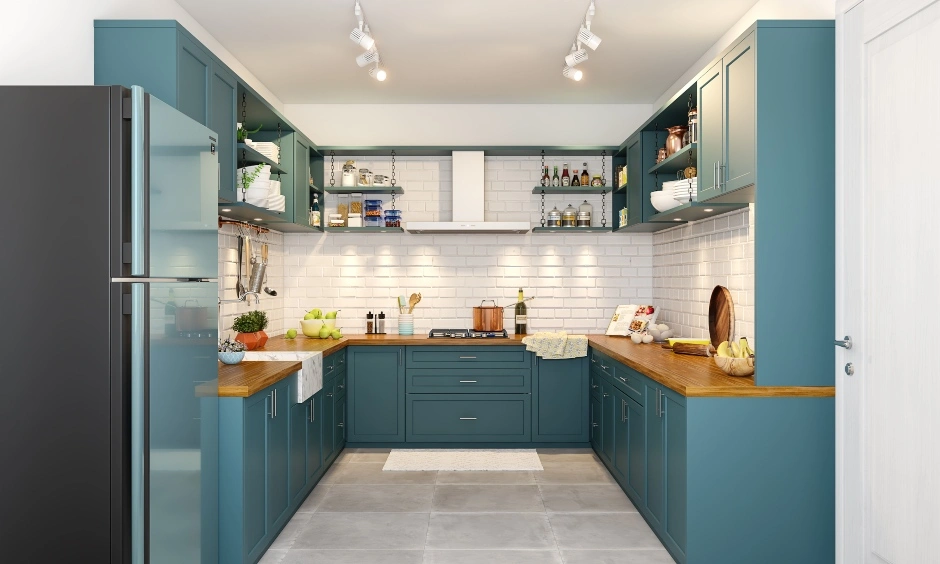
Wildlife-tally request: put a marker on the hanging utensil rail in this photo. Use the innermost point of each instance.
(243, 224)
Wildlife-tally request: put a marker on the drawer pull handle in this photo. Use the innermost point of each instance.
(468, 418)
(622, 379)
(468, 381)
(594, 386)
(467, 357)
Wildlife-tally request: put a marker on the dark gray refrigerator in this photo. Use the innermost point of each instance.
(108, 410)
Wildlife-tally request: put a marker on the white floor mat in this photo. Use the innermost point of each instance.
(404, 460)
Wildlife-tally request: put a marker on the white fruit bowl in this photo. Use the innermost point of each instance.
(663, 201)
(331, 323)
(735, 366)
(311, 327)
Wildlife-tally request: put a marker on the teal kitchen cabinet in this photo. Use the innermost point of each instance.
(314, 451)
(608, 421)
(253, 471)
(635, 196)
(740, 115)
(223, 88)
(339, 413)
(629, 460)
(195, 69)
(560, 393)
(596, 429)
(376, 394)
(299, 417)
(327, 410)
(469, 418)
(711, 131)
(666, 493)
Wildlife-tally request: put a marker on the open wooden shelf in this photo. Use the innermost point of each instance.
(571, 230)
(364, 190)
(573, 189)
(692, 211)
(365, 230)
(246, 156)
(676, 161)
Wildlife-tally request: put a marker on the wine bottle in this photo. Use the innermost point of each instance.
(575, 179)
(546, 179)
(565, 177)
(585, 178)
(555, 181)
(521, 318)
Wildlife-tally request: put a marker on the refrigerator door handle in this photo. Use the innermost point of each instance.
(140, 220)
(133, 280)
(138, 437)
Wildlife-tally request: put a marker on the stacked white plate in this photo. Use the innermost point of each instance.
(269, 150)
(276, 203)
(682, 189)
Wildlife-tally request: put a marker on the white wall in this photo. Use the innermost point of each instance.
(52, 41)
(467, 124)
(228, 269)
(690, 260)
(763, 10)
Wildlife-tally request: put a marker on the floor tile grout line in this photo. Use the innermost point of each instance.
(550, 527)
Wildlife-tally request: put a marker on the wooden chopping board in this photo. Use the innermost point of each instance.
(720, 316)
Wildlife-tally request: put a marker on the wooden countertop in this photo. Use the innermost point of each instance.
(691, 376)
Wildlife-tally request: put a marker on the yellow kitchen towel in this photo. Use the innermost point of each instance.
(555, 346)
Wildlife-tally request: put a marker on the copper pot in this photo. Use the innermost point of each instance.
(487, 318)
(676, 135)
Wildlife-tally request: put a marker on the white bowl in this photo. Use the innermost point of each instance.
(331, 323)
(311, 327)
(662, 201)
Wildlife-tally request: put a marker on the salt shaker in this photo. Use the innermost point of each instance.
(380, 323)
(370, 325)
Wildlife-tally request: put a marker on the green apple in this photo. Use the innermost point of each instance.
(324, 332)
(336, 334)
(291, 333)
(310, 316)
(331, 315)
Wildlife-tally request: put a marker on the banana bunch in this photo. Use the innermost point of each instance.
(735, 350)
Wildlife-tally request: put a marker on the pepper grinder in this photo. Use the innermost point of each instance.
(370, 325)
(380, 323)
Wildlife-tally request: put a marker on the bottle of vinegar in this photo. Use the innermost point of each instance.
(521, 318)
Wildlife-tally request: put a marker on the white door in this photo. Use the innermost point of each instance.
(888, 281)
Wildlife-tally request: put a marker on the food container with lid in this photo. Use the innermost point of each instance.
(354, 221)
(554, 218)
(586, 208)
(380, 180)
(392, 218)
(350, 176)
(365, 177)
(596, 180)
(569, 217)
(487, 317)
(373, 221)
(372, 208)
(584, 219)
(336, 220)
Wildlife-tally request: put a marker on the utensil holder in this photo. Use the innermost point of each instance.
(406, 324)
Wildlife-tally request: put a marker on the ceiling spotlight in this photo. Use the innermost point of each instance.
(572, 73)
(368, 58)
(378, 73)
(576, 57)
(363, 39)
(586, 37)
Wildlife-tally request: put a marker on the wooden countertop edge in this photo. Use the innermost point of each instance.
(243, 386)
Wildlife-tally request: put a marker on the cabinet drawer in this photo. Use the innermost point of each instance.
(596, 380)
(629, 382)
(464, 418)
(462, 357)
(334, 363)
(469, 380)
(339, 386)
(601, 363)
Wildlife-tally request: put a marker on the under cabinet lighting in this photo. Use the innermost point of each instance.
(259, 219)
(678, 219)
(226, 209)
(709, 210)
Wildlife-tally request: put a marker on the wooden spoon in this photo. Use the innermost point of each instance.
(413, 301)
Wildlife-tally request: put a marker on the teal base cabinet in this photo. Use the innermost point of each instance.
(730, 480)
(272, 452)
(253, 471)
(469, 418)
(560, 407)
(376, 396)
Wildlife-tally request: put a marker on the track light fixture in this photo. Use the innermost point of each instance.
(578, 55)
(572, 73)
(362, 36)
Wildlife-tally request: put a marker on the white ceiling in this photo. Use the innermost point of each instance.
(467, 51)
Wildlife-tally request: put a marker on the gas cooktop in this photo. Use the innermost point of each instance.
(466, 334)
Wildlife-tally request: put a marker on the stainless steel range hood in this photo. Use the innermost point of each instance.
(468, 203)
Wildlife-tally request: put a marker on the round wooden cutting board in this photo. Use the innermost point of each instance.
(720, 316)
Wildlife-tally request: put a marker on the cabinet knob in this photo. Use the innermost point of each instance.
(339, 424)
(594, 386)
(593, 424)
(605, 395)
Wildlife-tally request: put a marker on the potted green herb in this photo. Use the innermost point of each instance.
(250, 328)
(242, 134)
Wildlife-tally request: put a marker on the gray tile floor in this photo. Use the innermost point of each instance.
(572, 513)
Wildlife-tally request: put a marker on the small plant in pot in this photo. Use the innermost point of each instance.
(250, 328)
(231, 352)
